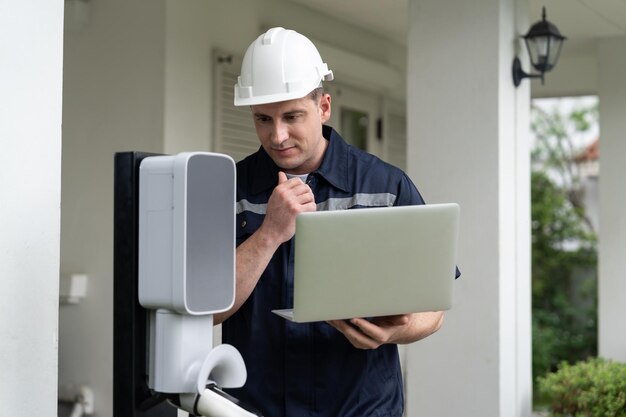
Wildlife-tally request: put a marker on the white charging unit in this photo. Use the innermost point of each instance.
(187, 268)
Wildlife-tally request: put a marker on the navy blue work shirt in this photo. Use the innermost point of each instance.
(311, 369)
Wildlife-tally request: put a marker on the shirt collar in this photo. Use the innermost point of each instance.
(334, 167)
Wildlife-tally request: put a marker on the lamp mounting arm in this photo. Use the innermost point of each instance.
(519, 74)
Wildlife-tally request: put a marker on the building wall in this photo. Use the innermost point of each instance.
(31, 53)
(112, 101)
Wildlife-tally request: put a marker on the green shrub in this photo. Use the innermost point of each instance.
(592, 388)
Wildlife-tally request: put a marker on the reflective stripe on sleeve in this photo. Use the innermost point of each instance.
(362, 199)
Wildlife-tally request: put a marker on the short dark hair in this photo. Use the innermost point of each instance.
(317, 93)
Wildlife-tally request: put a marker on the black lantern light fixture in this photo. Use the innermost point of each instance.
(544, 42)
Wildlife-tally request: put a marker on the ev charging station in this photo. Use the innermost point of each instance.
(174, 269)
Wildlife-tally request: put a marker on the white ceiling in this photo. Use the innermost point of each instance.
(581, 21)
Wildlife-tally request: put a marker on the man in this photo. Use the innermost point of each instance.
(339, 368)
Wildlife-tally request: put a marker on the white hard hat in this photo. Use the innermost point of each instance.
(279, 65)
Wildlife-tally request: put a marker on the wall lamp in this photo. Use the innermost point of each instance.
(543, 42)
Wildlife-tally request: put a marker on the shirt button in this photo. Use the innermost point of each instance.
(244, 223)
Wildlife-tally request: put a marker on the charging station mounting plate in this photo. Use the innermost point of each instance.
(131, 395)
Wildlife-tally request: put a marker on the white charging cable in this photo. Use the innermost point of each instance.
(214, 403)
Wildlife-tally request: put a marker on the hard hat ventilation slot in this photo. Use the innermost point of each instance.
(268, 37)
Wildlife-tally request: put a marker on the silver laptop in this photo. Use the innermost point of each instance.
(374, 262)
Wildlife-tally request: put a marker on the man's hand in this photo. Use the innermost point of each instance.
(403, 328)
(290, 198)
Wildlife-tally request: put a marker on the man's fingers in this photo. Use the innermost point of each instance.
(294, 187)
(396, 320)
(294, 184)
(358, 339)
(370, 334)
(305, 195)
(371, 330)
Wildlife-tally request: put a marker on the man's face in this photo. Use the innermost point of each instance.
(291, 132)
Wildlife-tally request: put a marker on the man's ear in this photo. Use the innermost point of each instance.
(324, 107)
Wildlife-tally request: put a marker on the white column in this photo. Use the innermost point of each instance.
(612, 236)
(468, 143)
(31, 61)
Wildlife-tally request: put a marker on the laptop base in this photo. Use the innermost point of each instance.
(286, 314)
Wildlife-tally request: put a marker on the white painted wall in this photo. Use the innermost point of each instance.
(113, 101)
(468, 142)
(31, 56)
(612, 235)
